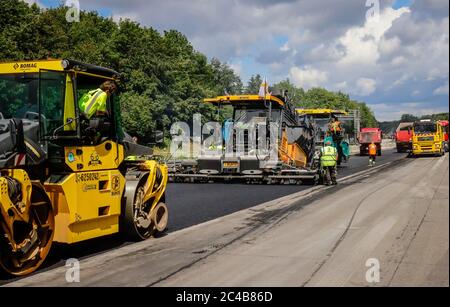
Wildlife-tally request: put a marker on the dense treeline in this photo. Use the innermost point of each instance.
(165, 78)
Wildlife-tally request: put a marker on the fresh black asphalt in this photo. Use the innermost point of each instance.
(192, 204)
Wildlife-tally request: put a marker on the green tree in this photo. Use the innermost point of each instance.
(439, 116)
(18, 30)
(254, 85)
(408, 118)
(225, 79)
(316, 98)
(293, 92)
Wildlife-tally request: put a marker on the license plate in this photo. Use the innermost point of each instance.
(230, 164)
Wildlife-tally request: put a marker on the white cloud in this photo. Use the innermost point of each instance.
(325, 52)
(434, 74)
(365, 86)
(307, 77)
(237, 67)
(285, 48)
(398, 82)
(341, 86)
(276, 66)
(34, 2)
(354, 57)
(442, 90)
(399, 61)
(326, 43)
(389, 46)
(361, 43)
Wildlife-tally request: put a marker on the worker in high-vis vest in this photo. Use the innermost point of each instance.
(335, 126)
(94, 103)
(328, 161)
(372, 154)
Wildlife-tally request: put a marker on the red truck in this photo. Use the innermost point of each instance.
(445, 126)
(366, 137)
(403, 137)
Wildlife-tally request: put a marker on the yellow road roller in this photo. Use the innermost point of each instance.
(64, 173)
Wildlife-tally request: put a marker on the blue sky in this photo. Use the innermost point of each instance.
(402, 3)
(396, 63)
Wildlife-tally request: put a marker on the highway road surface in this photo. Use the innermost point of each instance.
(192, 204)
(388, 227)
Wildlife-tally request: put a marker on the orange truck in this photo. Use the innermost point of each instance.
(366, 137)
(403, 137)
